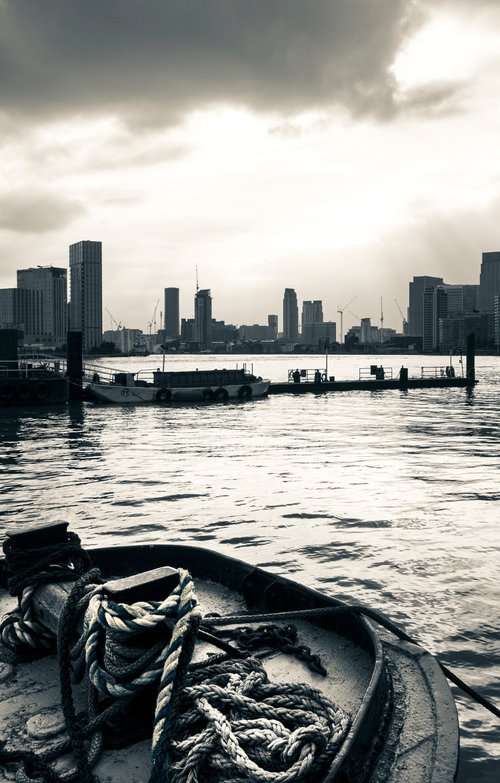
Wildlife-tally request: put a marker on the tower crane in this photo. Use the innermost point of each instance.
(381, 321)
(401, 314)
(153, 319)
(113, 320)
(341, 311)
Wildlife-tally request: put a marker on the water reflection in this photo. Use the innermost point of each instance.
(388, 499)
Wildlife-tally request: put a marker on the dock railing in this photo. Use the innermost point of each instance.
(440, 371)
(95, 373)
(33, 366)
(308, 376)
(375, 373)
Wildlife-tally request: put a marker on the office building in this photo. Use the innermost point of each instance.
(366, 330)
(320, 334)
(489, 281)
(312, 313)
(15, 310)
(435, 308)
(203, 318)
(416, 303)
(290, 316)
(171, 310)
(187, 330)
(272, 322)
(48, 316)
(85, 311)
(461, 298)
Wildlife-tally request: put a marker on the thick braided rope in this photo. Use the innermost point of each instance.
(186, 611)
(27, 569)
(124, 621)
(233, 725)
(20, 628)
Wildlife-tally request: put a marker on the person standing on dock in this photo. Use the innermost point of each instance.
(296, 376)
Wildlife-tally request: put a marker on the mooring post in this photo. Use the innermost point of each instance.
(49, 598)
(74, 358)
(470, 369)
(403, 378)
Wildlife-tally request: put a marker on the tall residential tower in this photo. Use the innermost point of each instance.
(489, 281)
(48, 321)
(203, 318)
(171, 311)
(290, 316)
(85, 312)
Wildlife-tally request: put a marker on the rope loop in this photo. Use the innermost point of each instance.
(27, 569)
(233, 724)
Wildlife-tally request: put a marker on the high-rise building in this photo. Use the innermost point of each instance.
(85, 312)
(290, 316)
(203, 318)
(366, 330)
(171, 311)
(435, 308)
(312, 313)
(15, 309)
(48, 317)
(320, 334)
(461, 298)
(489, 281)
(272, 322)
(416, 303)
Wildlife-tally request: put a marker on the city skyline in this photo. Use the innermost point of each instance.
(273, 145)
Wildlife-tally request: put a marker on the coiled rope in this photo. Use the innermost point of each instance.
(221, 720)
(27, 569)
(234, 725)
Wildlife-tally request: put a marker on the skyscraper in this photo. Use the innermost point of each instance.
(272, 324)
(489, 281)
(416, 303)
(48, 317)
(172, 312)
(85, 313)
(290, 315)
(435, 309)
(312, 313)
(203, 318)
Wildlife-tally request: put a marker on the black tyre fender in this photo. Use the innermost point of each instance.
(23, 390)
(6, 391)
(163, 395)
(245, 393)
(41, 390)
(221, 394)
(207, 395)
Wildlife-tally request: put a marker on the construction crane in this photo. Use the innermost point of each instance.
(153, 319)
(341, 311)
(113, 320)
(402, 316)
(381, 322)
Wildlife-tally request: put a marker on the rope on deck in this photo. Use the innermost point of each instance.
(235, 725)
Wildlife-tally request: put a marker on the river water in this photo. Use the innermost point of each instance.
(390, 498)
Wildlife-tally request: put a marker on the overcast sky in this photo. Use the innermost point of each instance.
(337, 147)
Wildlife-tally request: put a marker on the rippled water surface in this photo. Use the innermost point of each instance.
(390, 498)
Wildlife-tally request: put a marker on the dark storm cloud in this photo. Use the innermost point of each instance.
(151, 60)
(37, 211)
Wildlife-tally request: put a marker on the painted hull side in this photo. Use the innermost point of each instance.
(124, 395)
